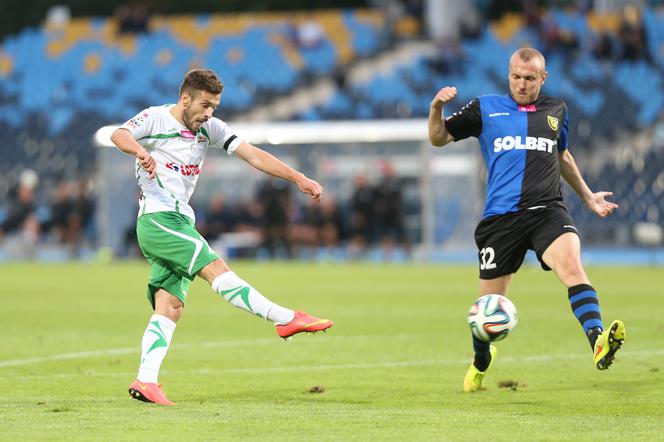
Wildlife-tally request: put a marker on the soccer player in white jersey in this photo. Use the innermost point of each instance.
(170, 143)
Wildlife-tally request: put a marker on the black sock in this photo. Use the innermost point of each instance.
(592, 335)
(482, 354)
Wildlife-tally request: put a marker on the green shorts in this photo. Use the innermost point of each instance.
(175, 251)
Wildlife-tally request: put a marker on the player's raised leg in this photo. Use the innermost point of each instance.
(605, 343)
(242, 295)
(156, 340)
(564, 257)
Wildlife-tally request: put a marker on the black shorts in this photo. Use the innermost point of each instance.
(503, 240)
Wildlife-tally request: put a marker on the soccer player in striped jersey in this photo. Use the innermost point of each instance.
(523, 139)
(170, 144)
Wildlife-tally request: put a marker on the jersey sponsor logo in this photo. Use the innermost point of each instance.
(553, 122)
(523, 143)
(137, 120)
(499, 114)
(527, 108)
(185, 169)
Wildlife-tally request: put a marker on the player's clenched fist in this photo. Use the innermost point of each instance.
(311, 187)
(444, 95)
(147, 162)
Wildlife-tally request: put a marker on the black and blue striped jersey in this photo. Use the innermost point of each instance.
(520, 145)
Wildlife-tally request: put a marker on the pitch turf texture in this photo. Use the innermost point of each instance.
(391, 367)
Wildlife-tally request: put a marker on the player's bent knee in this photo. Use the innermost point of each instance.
(214, 269)
(172, 311)
(168, 305)
(572, 275)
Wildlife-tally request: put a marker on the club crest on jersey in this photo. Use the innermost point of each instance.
(553, 122)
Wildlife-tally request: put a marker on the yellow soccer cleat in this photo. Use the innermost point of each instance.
(473, 380)
(607, 344)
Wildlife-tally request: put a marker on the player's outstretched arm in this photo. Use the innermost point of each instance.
(124, 140)
(438, 134)
(594, 200)
(265, 162)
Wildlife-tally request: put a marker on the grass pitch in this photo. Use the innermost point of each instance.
(391, 367)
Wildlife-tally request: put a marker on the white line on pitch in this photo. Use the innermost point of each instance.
(353, 366)
(390, 364)
(213, 344)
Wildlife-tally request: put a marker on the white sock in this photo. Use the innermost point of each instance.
(242, 295)
(156, 339)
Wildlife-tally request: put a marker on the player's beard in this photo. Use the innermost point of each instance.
(189, 121)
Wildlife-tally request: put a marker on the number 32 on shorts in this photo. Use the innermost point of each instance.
(487, 256)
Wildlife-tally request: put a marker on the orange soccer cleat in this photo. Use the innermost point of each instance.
(148, 392)
(303, 322)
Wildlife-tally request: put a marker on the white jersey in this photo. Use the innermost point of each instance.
(179, 156)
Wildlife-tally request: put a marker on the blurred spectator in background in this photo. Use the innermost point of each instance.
(20, 230)
(249, 217)
(61, 211)
(361, 213)
(274, 196)
(388, 208)
(302, 230)
(632, 36)
(392, 11)
(340, 77)
(449, 57)
(554, 39)
(471, 25)
(218, 219)
(233, 229)
(415, 10)
(132, 18)
(604, 48)
(71, 213)
(331, 229)
(584, 6)
(319, 226)
(495, 9)
(57, 17)
(309, 33)
(533, 14)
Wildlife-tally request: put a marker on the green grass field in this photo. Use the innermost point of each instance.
(391, 366)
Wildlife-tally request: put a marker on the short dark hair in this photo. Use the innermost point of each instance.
(201, 80)
(527, 54)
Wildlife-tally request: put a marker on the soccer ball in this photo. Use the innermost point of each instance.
(492, 318)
